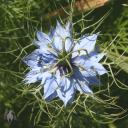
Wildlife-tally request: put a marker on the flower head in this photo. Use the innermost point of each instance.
(64, 65)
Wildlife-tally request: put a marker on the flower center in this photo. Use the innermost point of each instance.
(64, 64)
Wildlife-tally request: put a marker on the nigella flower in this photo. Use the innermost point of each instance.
(63, 65)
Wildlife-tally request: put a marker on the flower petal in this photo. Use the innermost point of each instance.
(33, 76)
(96, 56)
(68, 44)
(86, 44)
(62, 35)
(33, 59)
(82, 87)
(57, 43)
(68, 27)
(89, 65)
(66, 91)
(86, 76)
(42, 37)
(51, 33)
(90, 77)
(43, 41)
(50, 89)
(61, 31)
(99, 68)
(45, 75)
(39, 58)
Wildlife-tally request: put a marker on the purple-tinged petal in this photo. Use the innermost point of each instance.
(61, 31)
(90, 77)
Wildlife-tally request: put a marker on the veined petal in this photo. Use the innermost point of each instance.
(51, 33)
(57, 43)
(86, 44)
(42, 37)
(45, 75)
(96, 56)
(43, 40)
(39, 58)
(90, 77)
(68, 44)
(87, 76)
(99, 68)
(61, 31)
(33, 59)
(60, 37)
(82, 87)
(94, 67)
(50, 89)
(33, 76)
(66, 91)
(88, 65)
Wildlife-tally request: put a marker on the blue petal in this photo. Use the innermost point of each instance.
(50, 87)
(89, 65)
(33, 76)
(86, 76)
(82, 81)
(43, 40)
(69, 40)
(69, 27)
(38, 58)
(45, 75)
(90, 77)
(77, 74)
(51, 33)
(42, 37)
(32, 59)
(82, 87)
(60, 30)
(49, 58)
(94, 67)
(68, 44)
(57, 43)
(96, 57)
(60, 36)
(66, 91)
(99, 68)
(87, 43)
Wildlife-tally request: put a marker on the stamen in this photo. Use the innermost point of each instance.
(71, 69)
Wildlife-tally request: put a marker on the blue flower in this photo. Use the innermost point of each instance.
(64, 65)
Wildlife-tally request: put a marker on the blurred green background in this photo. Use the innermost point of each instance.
(19, 20)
